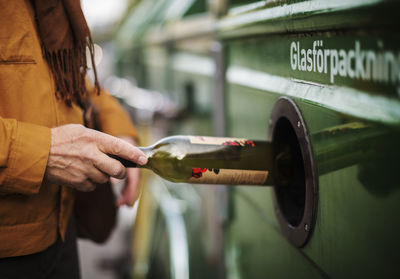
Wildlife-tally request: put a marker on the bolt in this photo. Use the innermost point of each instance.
(298, 124)
(306, 227)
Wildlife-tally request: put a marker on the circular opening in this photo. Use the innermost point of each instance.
(291, 197)
(296, 188)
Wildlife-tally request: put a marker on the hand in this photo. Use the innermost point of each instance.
(130, 189)
(78, 157)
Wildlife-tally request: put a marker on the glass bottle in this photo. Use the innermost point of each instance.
(216, 160)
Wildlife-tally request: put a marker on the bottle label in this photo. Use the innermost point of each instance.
(228, 176)
(221, 141)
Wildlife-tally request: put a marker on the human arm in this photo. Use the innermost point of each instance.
(70, 155)
(115, 121)
(24, 149)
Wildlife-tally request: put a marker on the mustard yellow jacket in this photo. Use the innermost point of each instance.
(31, 210)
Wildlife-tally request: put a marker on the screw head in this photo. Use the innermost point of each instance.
(306, 227)
(298, 124)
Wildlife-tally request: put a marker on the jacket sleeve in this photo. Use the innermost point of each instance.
(24, 150)
(113, 118)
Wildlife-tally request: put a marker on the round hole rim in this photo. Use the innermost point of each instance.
(299, 234)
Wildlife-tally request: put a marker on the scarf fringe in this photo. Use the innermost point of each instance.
(69, 70)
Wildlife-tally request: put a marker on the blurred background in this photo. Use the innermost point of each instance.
(120, 29)
(238, 68)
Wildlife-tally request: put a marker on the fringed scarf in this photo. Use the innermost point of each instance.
(65, 36)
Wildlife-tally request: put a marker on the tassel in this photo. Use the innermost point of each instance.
(69, 70)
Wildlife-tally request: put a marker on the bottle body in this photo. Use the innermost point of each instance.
(211, 160)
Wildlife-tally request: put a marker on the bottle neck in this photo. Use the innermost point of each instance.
(146, 150)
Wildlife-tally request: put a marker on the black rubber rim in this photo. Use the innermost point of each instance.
(299, 232)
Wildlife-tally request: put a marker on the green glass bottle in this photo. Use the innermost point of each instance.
(214, 160)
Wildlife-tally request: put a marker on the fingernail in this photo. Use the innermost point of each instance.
(142, 160)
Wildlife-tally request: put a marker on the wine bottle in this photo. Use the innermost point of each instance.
(215, 160)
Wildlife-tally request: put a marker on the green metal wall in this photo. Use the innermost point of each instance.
(356, 228)
(339, 61)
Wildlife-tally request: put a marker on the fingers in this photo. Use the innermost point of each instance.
(85, 186)
(116, 146)
(98, 176)
(109, 166)
(125, 198)
(130, 191)
(90, 180)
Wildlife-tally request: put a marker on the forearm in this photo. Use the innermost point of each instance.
(24, 150)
